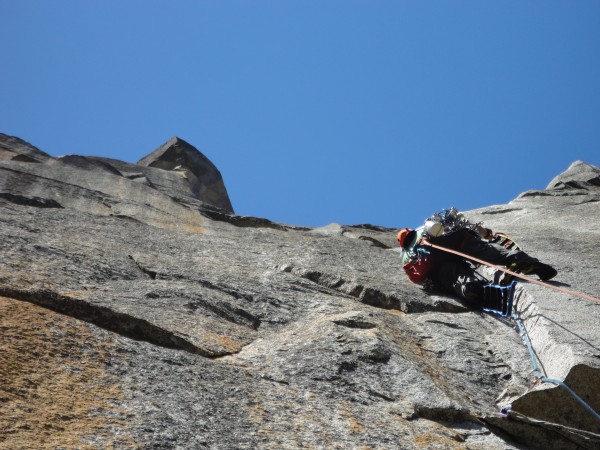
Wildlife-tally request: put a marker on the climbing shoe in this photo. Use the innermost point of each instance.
(524, 267)
(544, 271)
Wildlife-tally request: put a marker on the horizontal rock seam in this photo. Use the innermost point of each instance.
(103, 317)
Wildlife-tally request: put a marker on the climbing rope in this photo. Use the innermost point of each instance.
(538, 374)
(506, 411)
(536, 371)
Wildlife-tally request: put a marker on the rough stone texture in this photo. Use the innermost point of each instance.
(13, 148)
(562, 225)
(579, 176)
(210, 330)
(161, 197)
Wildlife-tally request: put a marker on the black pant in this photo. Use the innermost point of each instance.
(453, 274)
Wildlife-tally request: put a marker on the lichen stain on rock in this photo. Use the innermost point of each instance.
(434, 441)
(354, 424)
(54, 387)
(193, 229)
(226, 344)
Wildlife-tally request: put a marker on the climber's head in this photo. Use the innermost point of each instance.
(405, 236)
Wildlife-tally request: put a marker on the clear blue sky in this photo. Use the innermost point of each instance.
(315, 112)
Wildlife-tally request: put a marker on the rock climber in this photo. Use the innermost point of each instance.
(449, 273)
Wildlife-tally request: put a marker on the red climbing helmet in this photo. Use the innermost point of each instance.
(402, 236)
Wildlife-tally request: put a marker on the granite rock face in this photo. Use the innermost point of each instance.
(203, 178)
(15, 149)
(154, 318)
(578, 176)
